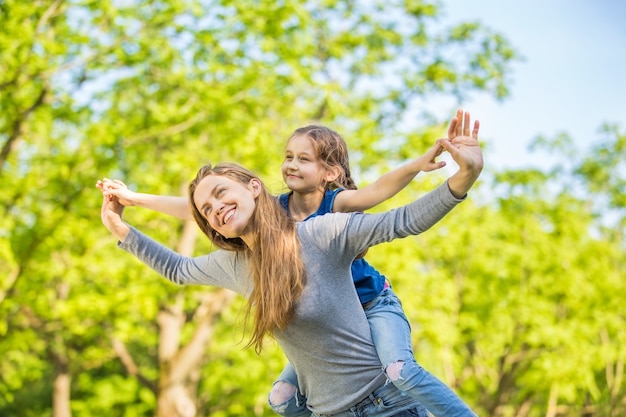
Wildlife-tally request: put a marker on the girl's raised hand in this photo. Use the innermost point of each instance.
(116, 188)
(428, 162)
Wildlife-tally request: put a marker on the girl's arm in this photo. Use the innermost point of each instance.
(171, 205)
(366, 230)
(387, 185)
(219, 268)
(392, 182)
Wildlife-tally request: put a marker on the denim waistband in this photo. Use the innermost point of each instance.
(370, 399)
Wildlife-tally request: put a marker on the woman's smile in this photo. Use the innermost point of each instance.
(227, 205)
(228, 215)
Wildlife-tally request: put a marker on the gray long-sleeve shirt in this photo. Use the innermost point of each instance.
(328, 342)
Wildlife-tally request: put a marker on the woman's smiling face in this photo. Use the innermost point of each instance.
(228, 205)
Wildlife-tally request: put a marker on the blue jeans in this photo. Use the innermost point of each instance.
(391, 334)
(386, 401)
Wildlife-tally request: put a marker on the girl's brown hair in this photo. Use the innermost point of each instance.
(278, 271)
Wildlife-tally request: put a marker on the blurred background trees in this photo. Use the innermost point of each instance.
(516, 298)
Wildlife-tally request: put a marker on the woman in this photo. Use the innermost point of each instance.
(297, 275)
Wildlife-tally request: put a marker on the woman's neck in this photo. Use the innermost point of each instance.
(248, 239)
(302, 205)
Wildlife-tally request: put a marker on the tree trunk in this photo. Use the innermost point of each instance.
(553, 401)
(178, 364)
(62, 385)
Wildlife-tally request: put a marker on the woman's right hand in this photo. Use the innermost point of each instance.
(111, 214)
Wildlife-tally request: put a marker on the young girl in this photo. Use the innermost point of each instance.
(316, 170)
(286, 268)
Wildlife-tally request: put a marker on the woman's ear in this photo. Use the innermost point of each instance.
(255, 186)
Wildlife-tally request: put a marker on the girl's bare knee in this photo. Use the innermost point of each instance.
(393, 370)
(281, 392)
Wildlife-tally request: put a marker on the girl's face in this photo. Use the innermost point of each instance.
(301, 168)
(228, 205)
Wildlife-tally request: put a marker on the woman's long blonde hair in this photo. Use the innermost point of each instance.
(278, 270)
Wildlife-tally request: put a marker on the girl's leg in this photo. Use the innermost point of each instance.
(391, 333)
(285, 398)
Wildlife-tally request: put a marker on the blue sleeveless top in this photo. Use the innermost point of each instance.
(367, 280)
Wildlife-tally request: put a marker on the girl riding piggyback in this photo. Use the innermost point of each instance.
(316, 169)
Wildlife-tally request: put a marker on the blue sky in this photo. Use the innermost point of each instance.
(572, 79)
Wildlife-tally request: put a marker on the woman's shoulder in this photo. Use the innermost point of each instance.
(323, 224)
